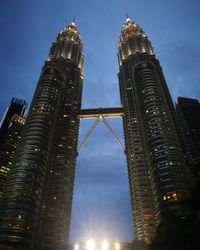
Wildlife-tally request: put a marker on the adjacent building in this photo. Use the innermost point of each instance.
(158, 176)
(9, 147)
(10, 132)
(15, 107)
(188, 111)
(35, 208)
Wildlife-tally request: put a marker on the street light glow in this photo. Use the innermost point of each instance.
(90, 245)
(105, 245)
(117, 246)
(76, 247)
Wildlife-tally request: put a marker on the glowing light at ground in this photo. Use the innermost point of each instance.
(90, 245)
(76, 247)
(117, 246)
(105, 245)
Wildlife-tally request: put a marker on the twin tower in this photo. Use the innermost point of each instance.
(35, 208)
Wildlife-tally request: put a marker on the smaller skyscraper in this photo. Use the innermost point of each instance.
(15, 107)
(188, 111)
(9, 147)
(10, 131)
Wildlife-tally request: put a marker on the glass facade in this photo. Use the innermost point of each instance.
(158, 175)
(15, 107)
(8, 148)
(36, 205)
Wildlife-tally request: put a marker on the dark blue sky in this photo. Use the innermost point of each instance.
(101, 207)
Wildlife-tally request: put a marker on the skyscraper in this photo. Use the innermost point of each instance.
(15, 107)
(8, 148)
(36, 205)
(35, 208)
(189, 113)
(156, 167)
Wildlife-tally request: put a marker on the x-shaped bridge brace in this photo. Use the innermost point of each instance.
(101, 115)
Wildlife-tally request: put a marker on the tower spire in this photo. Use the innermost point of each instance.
(127, 17)
(74, 18)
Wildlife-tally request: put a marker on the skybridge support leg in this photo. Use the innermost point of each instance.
(109, 128)
(113, 133)
(89, 133)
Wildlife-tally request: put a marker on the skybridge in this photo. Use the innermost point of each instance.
(115, 112)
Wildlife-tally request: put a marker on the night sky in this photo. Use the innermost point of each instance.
(101, 205)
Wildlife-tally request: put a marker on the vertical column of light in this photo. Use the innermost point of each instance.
(24, 191)
(62, 171)
(140, 189)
